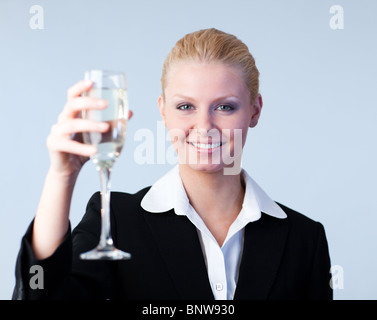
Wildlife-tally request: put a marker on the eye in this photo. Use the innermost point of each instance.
(225, 107)
(185, 107)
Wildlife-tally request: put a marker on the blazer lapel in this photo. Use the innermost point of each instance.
(264, 244)
(179, 246)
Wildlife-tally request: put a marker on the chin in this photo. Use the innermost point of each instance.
(205, 168)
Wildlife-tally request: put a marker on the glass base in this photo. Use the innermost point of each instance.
(108, 252)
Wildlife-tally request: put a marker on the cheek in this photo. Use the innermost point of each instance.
(177, 127)
(236, 129)
(177, 134)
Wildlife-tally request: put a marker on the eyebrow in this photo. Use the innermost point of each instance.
(220, 98)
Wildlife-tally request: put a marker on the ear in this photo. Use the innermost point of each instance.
(161, 106)
(257, 109)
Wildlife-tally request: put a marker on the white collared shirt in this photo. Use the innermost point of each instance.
(222, 262)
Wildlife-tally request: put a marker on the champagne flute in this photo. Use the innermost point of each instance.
(110, 86)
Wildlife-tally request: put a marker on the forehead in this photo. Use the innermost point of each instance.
(191, 78)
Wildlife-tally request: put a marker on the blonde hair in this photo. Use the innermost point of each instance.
(212, 45)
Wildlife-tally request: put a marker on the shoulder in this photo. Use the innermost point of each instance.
(133, 197)
(124, 207)
(121, 203)
(297, 217)
(120, 198)
(301, 226)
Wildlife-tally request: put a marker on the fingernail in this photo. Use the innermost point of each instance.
(92, 150)
(102, 103)
(88, 82)
(104, 126)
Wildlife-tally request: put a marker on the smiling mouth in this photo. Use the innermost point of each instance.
(206, 145)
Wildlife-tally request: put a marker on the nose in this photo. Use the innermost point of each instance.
(204, 122)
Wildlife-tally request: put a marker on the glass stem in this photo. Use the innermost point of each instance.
(105, 239)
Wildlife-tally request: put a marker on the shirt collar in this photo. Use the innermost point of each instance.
(168, 193)
(256, 198)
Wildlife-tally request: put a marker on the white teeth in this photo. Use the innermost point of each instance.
(206, 146)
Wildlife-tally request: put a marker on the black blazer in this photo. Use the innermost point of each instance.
(282, 258)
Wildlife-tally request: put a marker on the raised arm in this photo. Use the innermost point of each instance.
(68, 154)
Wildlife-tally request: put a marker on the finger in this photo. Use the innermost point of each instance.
(73, 126)
(71, 146)
(74, 106)
(77, 89)
(130, 114)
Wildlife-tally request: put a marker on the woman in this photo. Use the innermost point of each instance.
(203, 231)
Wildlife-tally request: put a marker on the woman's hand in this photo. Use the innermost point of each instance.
(67, 151)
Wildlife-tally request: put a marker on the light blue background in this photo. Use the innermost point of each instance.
(314, 149)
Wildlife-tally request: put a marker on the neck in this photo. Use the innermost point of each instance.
(213, 193)
(217, 198)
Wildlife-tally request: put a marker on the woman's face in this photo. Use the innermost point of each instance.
(207, 111)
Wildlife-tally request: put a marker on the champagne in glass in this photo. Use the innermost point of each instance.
(110, 86)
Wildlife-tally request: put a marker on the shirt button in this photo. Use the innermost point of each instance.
(219, 286)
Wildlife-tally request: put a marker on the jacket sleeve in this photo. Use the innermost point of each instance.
(64, 275)
(45, 281)
(319, 283)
